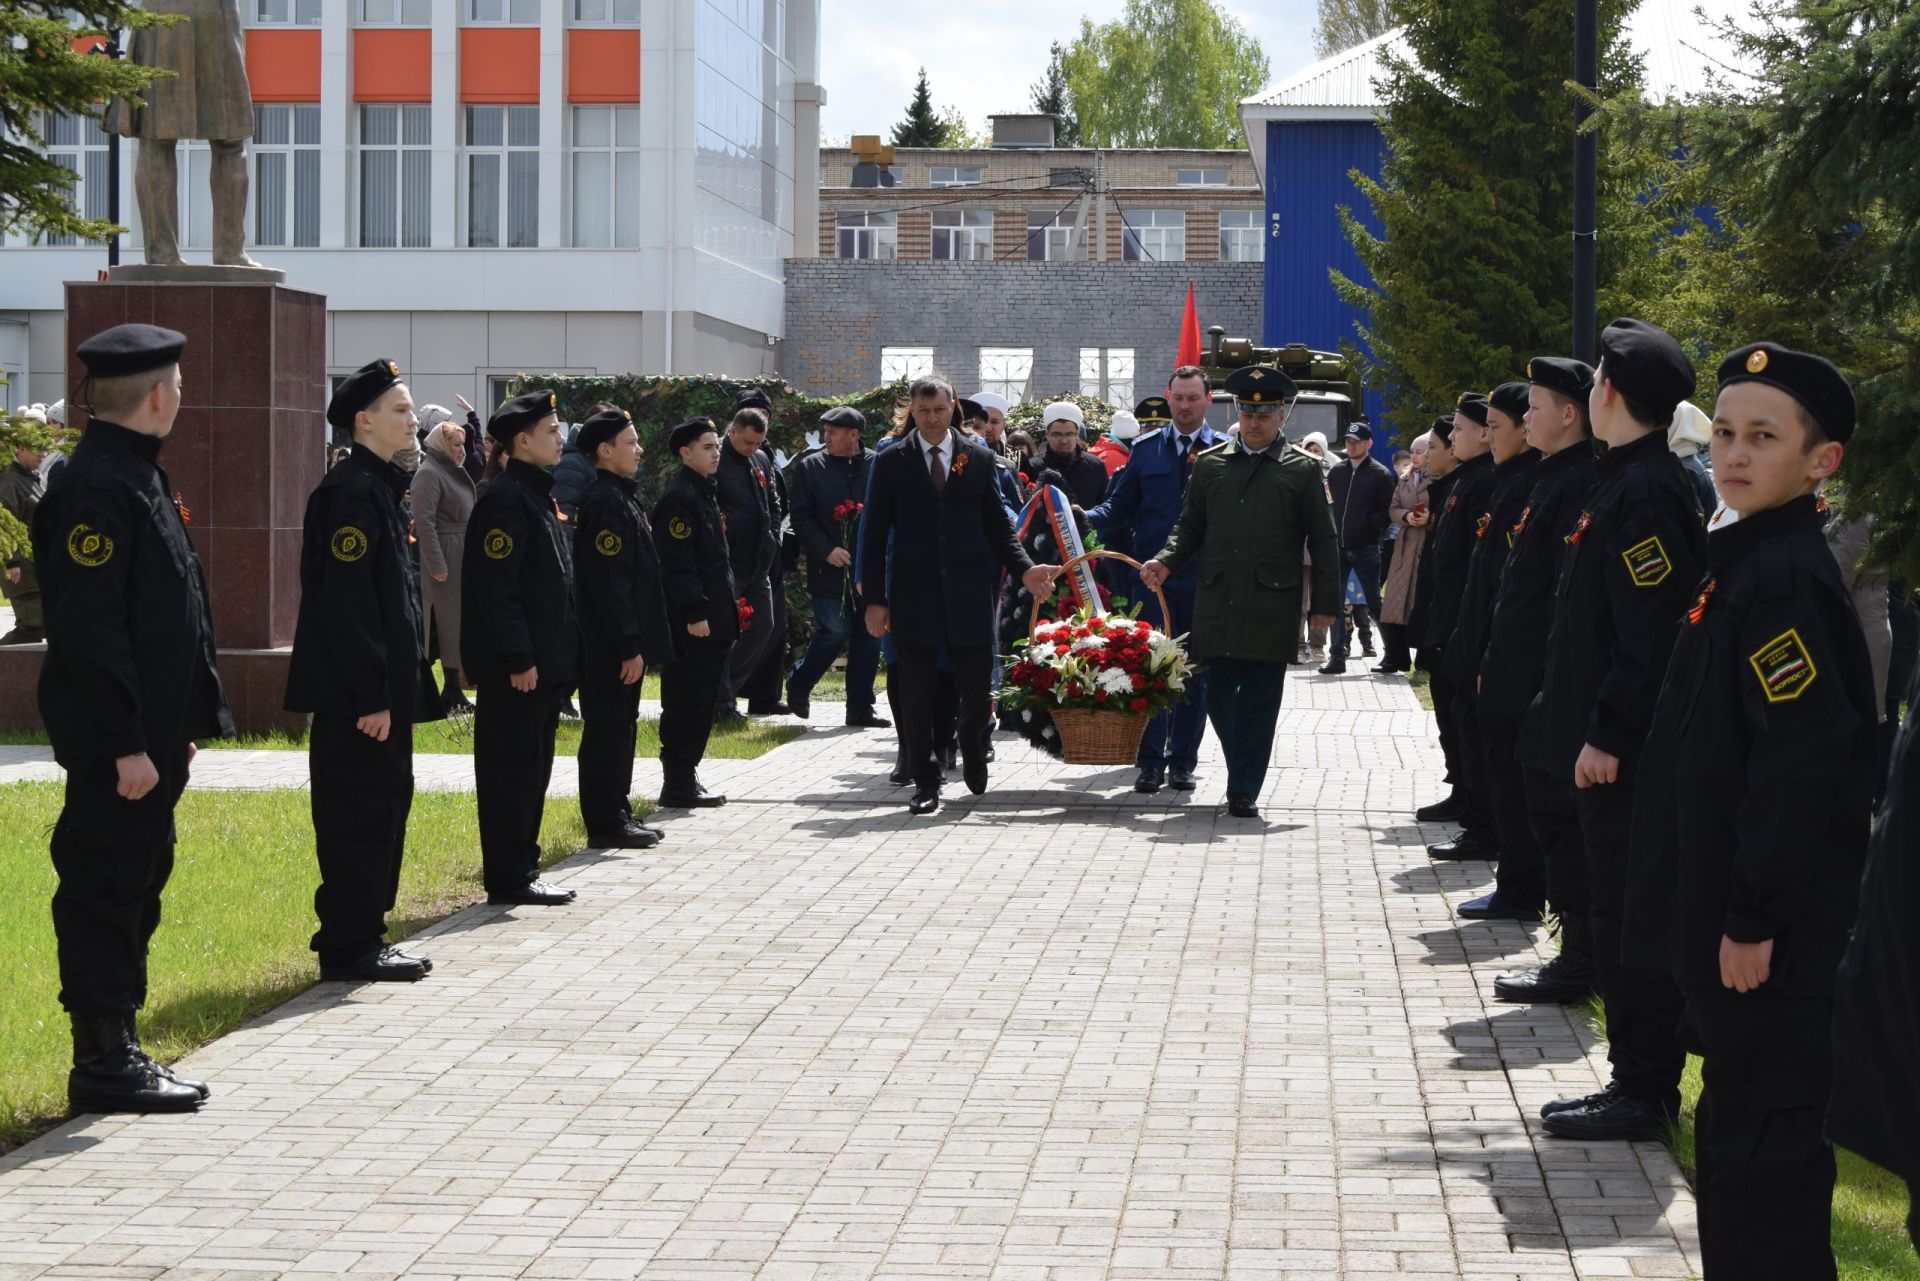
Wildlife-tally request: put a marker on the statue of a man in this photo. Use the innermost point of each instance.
(207, 98)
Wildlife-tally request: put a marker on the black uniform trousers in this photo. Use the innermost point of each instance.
(1453, 709)
(512, 763)
(112, 857)
(688, 686)
(1556, 832)
(1441, 689)
(917, 669)
(1643, 1005)
(609, 725)
(1243, 702)
(751, 648)
(362, 792)
(767, 683)
(1765, 1171)
(1521, 876)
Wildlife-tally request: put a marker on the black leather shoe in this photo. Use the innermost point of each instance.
(1150, 781)
(1387, 669)
(690, 798)
(112, 1074)
(1183, 780)
(775, 708)
(426, 962)
(869, 721)
(1490, 907)
(800, 704)
(900, 777)
(729, 718)
(1335, 667)
(631, 837)
(1242, 807)
(375, 965)
(975, 774)
(990, 756)
(1465, 846)
(1584, 1100)
(1555, 983)
(167, 1073)
(533, 894)
(925, 801)
(1445, 811)
(1620, 1117)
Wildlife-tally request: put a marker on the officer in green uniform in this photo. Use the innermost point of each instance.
(1253, 508)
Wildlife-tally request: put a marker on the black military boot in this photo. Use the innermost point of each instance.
(1568, 979)
(110, 1074)
(1611, 1117)
(1442, 811)
(198, 1087)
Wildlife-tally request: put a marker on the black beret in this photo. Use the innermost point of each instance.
(1260, 387)
(601, 428)
(359, 389)
(1154, 409)
(519, 414)
(971, 411)
(1571, 378)
(1510, 399)
(684, 434)
(752, 398)
(1474, 406)
(131, 349)
(1812, 380)
(1467, 397)
(1443, 429)
(844, 416)
(1645, 364)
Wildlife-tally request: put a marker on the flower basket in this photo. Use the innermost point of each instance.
(1089, 737)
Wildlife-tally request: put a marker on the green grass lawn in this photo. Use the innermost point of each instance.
(1422, 684)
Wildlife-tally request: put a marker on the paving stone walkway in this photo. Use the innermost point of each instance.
(1057, 1032)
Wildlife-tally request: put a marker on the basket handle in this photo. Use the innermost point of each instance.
(1098, 553)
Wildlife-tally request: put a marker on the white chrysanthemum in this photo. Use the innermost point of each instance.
(1088, 642)
(1114, 681)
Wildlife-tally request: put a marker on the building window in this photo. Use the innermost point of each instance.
(905, 363)
(402, 13)
(1053, 238)
(606, 11)
(503, 177)
(303, 13)
(79, 145)
(1006, 371)
(518, 11)
(1200, 177)
(1240, 236)
(500, 389)
(951, 177)
(1156, 235)
(286, 174)
(606, 176)
(396, 176)
(869, 235)
(962, 236)
(1106, 373)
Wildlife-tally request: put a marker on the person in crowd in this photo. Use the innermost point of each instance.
(129, 686)
(1443, 470)
(1362, 490)
(520, 643)
(1688, 438)
(1083, 478)
(765, 684)
(1411, 515)
(1114, 448)
(574, 472)
(55, 460)
(622, 609)
(745, 490)
(993, 427)
(1020, 451)
(359, 666)
(442, 500)
(1315, 443)
(21, 490)
(828, 491)
(1252, 507)
(974, 420)
(690, 532)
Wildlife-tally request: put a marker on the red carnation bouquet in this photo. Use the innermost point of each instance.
(847, 515)
(746, 615)
(1098, 662)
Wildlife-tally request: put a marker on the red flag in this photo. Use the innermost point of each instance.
(1189, 334)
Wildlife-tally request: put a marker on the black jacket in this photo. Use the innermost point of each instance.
(748, 497)
(1523, 610)
(692, 538)
(1361, 496)
(1452, 544)
(1083, 476)
(618, 594)
(1633, 561)
(816, 485)
(130, 651)
(516, 589)
(358, 646)
(571, 476)
(1492, 533)
(1438, 494)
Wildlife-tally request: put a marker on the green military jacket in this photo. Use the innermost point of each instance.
(1251, 519)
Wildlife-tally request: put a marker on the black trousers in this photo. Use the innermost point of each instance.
(1643, 1006)
(917, 668)
(688, 687)
(1431, 661)
(751, 647)
(766, 683)
(1521, 876)
(609, 724)
(1556, 830)
(1455, 708)
(1394, 652)
(112, 857)
(512, 765)
(1243, 702)
(362, 792)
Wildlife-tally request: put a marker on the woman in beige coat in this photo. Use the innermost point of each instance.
(1408, 512)
(442, 496)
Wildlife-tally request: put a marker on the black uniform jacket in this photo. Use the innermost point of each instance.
(1523, 611)
(1754, 807)
(1083, 476)
(1438, 494)
(1452, 543)
(948, 546)
(1492, 535)
(816, 484)
(130, 655)
(1634, 560)
(749, 497)
(616, 576)
(516, 589)
(692, 537)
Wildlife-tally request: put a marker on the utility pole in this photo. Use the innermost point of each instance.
(111, 49)
(1586, 180)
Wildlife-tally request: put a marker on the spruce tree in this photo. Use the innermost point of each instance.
(1050, 98)
(922, 127)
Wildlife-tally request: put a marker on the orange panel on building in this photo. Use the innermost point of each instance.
(499, 64)
(87, 44)
(283, 66)
(603, 65)
(392, 65)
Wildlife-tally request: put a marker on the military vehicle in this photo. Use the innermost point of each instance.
(1329, 385)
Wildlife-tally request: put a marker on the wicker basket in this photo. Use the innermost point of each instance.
(1091, 736)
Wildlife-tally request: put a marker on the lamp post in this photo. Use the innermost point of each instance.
(112, 49)
(1586, 180)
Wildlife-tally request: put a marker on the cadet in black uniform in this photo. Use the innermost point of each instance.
(1510, 677)
(623, 628)
(1633, 562)
(1766, 727)
(130, 682)
(745, 487)
(701, 610)
(359, 665)
(766, 683)
(519, 644)
(1444, 468)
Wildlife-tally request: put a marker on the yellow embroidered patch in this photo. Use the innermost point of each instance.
(89, 547)
(1647, 563)
(607, 543)
(349, 544)
(679, 528)
(1784, 667)
(498, 544)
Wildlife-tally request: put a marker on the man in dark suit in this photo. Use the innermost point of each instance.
(934, 538)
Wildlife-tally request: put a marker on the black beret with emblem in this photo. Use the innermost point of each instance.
(1467, 397)
(1646, 365)
(1154, 409)
(520, 414)
(684, 434)
(1474, 406)
(1812, 380)
(131, 349)
(971, 411)
(1260, 387)
(1510, 399)
(1443, 429)
(844, 416)
(601, 428)
(752, 398)
(1571, 378)
(358, 390)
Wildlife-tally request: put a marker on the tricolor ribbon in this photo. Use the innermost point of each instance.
(1050, 505)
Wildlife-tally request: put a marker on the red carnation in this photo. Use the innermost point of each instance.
(1138, 704)
(1096, 624)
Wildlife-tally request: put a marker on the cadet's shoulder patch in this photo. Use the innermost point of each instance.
(607, 543)
(679, 528)
(1784, 667)
(349, 544)
(498, 544)
(1647, 563)
(89, 547)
